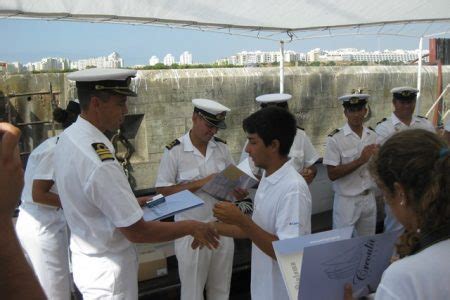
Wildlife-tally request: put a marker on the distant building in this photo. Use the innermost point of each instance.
(246, 58)
(186, 58)
(111, 61)
(169, 60)
(351, 54)
(13, 67)
(153, 60)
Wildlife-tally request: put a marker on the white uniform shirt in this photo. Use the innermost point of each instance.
(344, 147)
(95, 194)
(302, 153)
(393, 124)
(282, 207)
(39, 167)
(183, 163)
(425, 275)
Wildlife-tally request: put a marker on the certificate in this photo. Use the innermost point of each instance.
(289, 253)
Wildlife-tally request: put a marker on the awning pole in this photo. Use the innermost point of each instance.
(281, 67)
(419, 77)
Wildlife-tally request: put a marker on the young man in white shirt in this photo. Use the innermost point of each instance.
(282, 206)
(302, 154)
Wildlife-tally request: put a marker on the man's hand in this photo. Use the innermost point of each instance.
(196, 243)
(205, 235)
(368, 152)
(228, 213)
(308, 175)
(11, 172)
(239, 193)
(143, 200)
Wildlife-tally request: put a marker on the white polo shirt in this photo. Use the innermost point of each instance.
(282, 207)
(95, 194)
(183, 163)
(393, 124)
(39, 167)
(302, 153)
(425, 275)
(343, 147)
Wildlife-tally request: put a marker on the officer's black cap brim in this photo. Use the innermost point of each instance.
(220, 124)
(128, 93)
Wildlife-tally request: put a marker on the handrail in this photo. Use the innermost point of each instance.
(437, 100)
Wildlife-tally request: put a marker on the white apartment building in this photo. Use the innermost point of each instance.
(351, 54)
(153, 60)
(246, 58)
(186, 58)
(111, 61)
(168, 60)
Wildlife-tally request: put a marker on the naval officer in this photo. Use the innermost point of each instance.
(348, 149)
(188, 163)
(103, 215)
(402, 118)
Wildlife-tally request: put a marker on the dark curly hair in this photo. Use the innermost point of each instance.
(419, 160)
(67, 116)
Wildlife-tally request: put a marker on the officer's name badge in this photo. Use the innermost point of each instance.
(102, 151)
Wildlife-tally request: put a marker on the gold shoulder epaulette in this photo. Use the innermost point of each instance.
(219, 140)
(300, 128)
(334, 132)
(172, 144)
(103, 151)
(384, 119)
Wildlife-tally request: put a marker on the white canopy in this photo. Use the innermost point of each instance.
(257, 16)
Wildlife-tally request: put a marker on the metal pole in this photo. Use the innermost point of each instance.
(282, 67)
(419, 77)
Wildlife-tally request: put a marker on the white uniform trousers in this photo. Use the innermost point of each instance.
(204, 268)
(42, 232)
(358, 211)
(107, 275)
(390, 222)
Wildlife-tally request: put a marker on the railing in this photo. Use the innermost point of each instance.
(444, 110)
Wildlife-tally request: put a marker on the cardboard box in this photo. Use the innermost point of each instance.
(152, 262)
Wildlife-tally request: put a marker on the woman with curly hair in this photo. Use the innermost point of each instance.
(413, 170)
(41, 226)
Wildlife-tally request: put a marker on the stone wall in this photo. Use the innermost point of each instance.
(165, 99)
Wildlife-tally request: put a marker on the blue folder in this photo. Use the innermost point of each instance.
(172, 205)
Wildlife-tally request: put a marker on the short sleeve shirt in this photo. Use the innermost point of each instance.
(393, 124)
(282, 207)
(183, 163)
(39, 167)
(95, 194)
(344, 147)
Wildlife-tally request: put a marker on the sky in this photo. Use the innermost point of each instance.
(30, 40)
